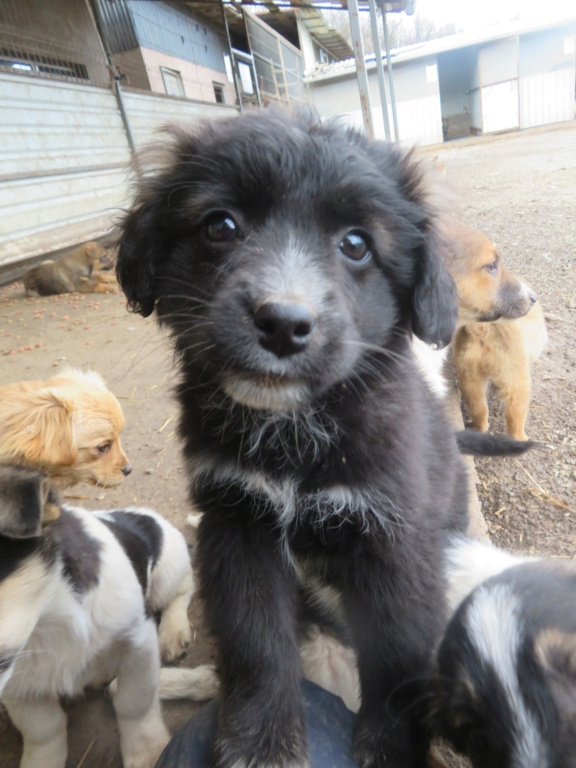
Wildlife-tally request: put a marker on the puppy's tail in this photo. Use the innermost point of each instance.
(483, 444)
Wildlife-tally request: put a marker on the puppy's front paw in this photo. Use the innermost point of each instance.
(174, 635)
(261, 740)
(255, 762)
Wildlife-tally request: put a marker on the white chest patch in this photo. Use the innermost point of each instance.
(336, 503)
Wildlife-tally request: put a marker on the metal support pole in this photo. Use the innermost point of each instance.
(390, 73)
(379, 67)
(361, 74)
(117, 88)
(124, 114)
(232, 62)
(253, 68)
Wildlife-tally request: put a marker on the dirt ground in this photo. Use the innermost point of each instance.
(519, 188)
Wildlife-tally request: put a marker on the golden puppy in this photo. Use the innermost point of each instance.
(68, 427)
(80, 270)
(501, 329)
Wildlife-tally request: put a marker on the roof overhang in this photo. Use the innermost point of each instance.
(281, 16)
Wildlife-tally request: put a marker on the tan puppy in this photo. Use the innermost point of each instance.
(68, 427)
(501, 329)
(80, 270)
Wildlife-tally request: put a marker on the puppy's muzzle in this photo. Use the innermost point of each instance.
(284, 329)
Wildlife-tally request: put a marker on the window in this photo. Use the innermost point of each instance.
(228, 66)
(172, 81)
(219, 93)
(246, 77)
(32, 64)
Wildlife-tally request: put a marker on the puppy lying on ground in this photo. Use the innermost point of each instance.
(68, 427)
(292, 261)
(82, 270)
(501, 329)
(505, 691)
(76, 592)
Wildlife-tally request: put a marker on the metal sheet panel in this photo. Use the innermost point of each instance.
(547, 98)
(545, 52)
(498, 76)
(547, 75)
(420, 121)
(500, 109)
(147, 113)
(63, 159)
(498, 61)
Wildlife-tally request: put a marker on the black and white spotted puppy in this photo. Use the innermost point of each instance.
(505, 689)
(76, 598)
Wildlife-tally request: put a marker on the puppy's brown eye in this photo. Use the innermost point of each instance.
(220, 228)
(355, 247)
(492, 268)
(104, 448)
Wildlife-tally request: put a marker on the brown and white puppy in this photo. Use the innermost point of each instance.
(487, 292)
(77, 591)
(68, 427)
(501, 329)
(83, 270)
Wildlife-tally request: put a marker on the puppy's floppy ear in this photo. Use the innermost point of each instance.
(146, 231)
(415, 208)
(93, 251)
(434, 300)
(38, 428)
(136, 263)
(556, 651)
(22, 498)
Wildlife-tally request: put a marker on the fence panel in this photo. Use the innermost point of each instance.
(63, 160)
(147, 112)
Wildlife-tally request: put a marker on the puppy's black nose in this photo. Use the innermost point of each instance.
(284, 329)
(126, 470)
(533, 297)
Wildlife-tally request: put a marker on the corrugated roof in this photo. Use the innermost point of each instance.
(281, 17)
(324, 34)
(433, 47)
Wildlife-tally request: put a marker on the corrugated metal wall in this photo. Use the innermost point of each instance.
(64, 153)
(64, 159)
(147, 113)
(417, 101)
(547, 77)
(62, 165)
(499, 92)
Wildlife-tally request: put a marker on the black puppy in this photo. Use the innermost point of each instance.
(292, 262)
(505, 690)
